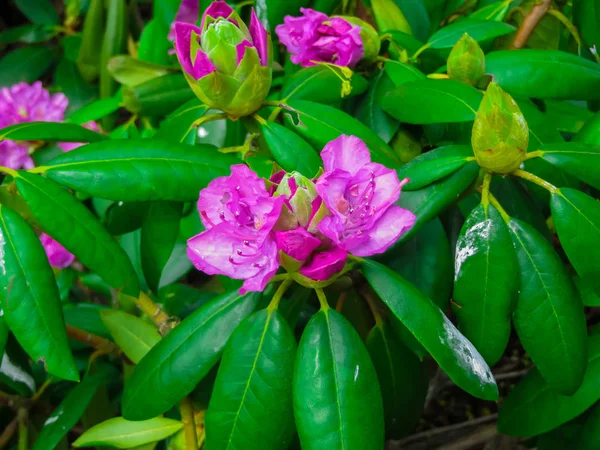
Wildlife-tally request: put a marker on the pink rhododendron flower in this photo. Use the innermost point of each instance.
(360, 195)
(187, 13)
(298, 243)
(68, 146)
(314, 37)
(58, 256)
(239, 215)
(325, 264)
(26, 103)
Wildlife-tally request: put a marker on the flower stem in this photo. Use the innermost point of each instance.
(189, 424)
(529, 23)
(22, 417)
(11, 172)
(496, 204)
(535, 154)
(154, 311)
(537, 180)
(370, 298)
(322, 299)
(279, 294)
(418, 52)
(104, 345)
(485, 190)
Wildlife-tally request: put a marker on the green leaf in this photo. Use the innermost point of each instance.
(586, 16)
(579, 159)
(486, 282)
(272, 12)
(549, 316)
(178, 124)
(86, 316)
(432, 170)
(15, 369)
(290, 151)
(92, 36)
(254, 386)
(130, 72)
(29, 296)
(159, 233)
(320, 84)
(370, 113)
(26, 64)
(158, 96)
(68, 80)
(115, 39)
(68, 221)
(577, 220)
(3, 335)
(479, 30)
(133, 335)
(50, 132)
(122, 218)
(494, 11)
(121, 433)
(29, 34)
(432, 101)
(140, 170)
(401, 73)
(417, 17)
(69, 411)
(402, 379)
(95, 110)
(337, 400)
(566, 116)
(532, 73)
(590, 434)
(38, 11)
(452, 351)
(319, 124)
(154, 45)
(175, 365)
(534, 407)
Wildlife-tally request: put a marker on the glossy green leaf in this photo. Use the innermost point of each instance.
(337, 400)
(494, 11)
(479, 30)
(586, 16)
(254, 386)
(154, 45)
(38, 11)
(428, 202)
(432, 101)
(272, 12)
(115, 39)
(68, 221)
(533, 407)
(402, 379)
(566, 116)
(175, 365)
(158, 96)
(29, 296)
(68, 80)
(432, 170)
(401, 73)
(88, 60)
(26, 64)
(121, 433)
(159, 232)
(579, 159)
(178, 124)
(15, 369)
(133, 335)
(452, 351)
(486, 281)
(590, 434)
(51, 132)
(130, 72)
(290, 151)
(577, 220)
(140, 170)
(370, 113)
(69, 411)
(590, 132)
(95, 110)
(86, 316)
(320, 84)
(29, 34)
(532, 73)
(549, 316)
(319, 124)
(3, 335)
(417, 17)
(122, 218)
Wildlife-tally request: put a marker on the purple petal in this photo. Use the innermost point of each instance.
(386, 183)
(331, 187)
(385, 232)
(298, 243)
(58, 256)
(259, 36)
(68, 146)
(187, 12)
(324, 265)
(202, 66)
(347, 153)
(241, 49)
(215, 10)
(14, 156)
(183, 38)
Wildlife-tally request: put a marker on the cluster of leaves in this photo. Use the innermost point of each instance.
(163, 345)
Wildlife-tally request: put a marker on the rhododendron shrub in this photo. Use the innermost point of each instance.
(323, 224)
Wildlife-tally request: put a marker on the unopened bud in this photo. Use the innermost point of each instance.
(466, 62)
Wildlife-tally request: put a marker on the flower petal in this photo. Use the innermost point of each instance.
(324, 265)
(385, 232)
(58, 256)
(347, 153)
(298, 243)
(260, 39)
(241, 49)
(187, 12)
(215, 10)
(331, 187)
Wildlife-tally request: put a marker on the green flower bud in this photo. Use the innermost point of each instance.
(369, 37)
(300, 192)
(466, 62)
(500, 133)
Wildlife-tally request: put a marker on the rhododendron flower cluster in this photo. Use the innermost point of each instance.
(305, 226)
(314, 37)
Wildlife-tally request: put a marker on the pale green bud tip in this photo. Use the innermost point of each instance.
(466, 61)
(500, 132)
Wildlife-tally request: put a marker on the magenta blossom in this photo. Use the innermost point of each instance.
(361, 195)
(68, 146)
(325, 264)
(239, 215)
(58, 256)
(298, 243)
(314, 37)
(26, 103)
(187, 13)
